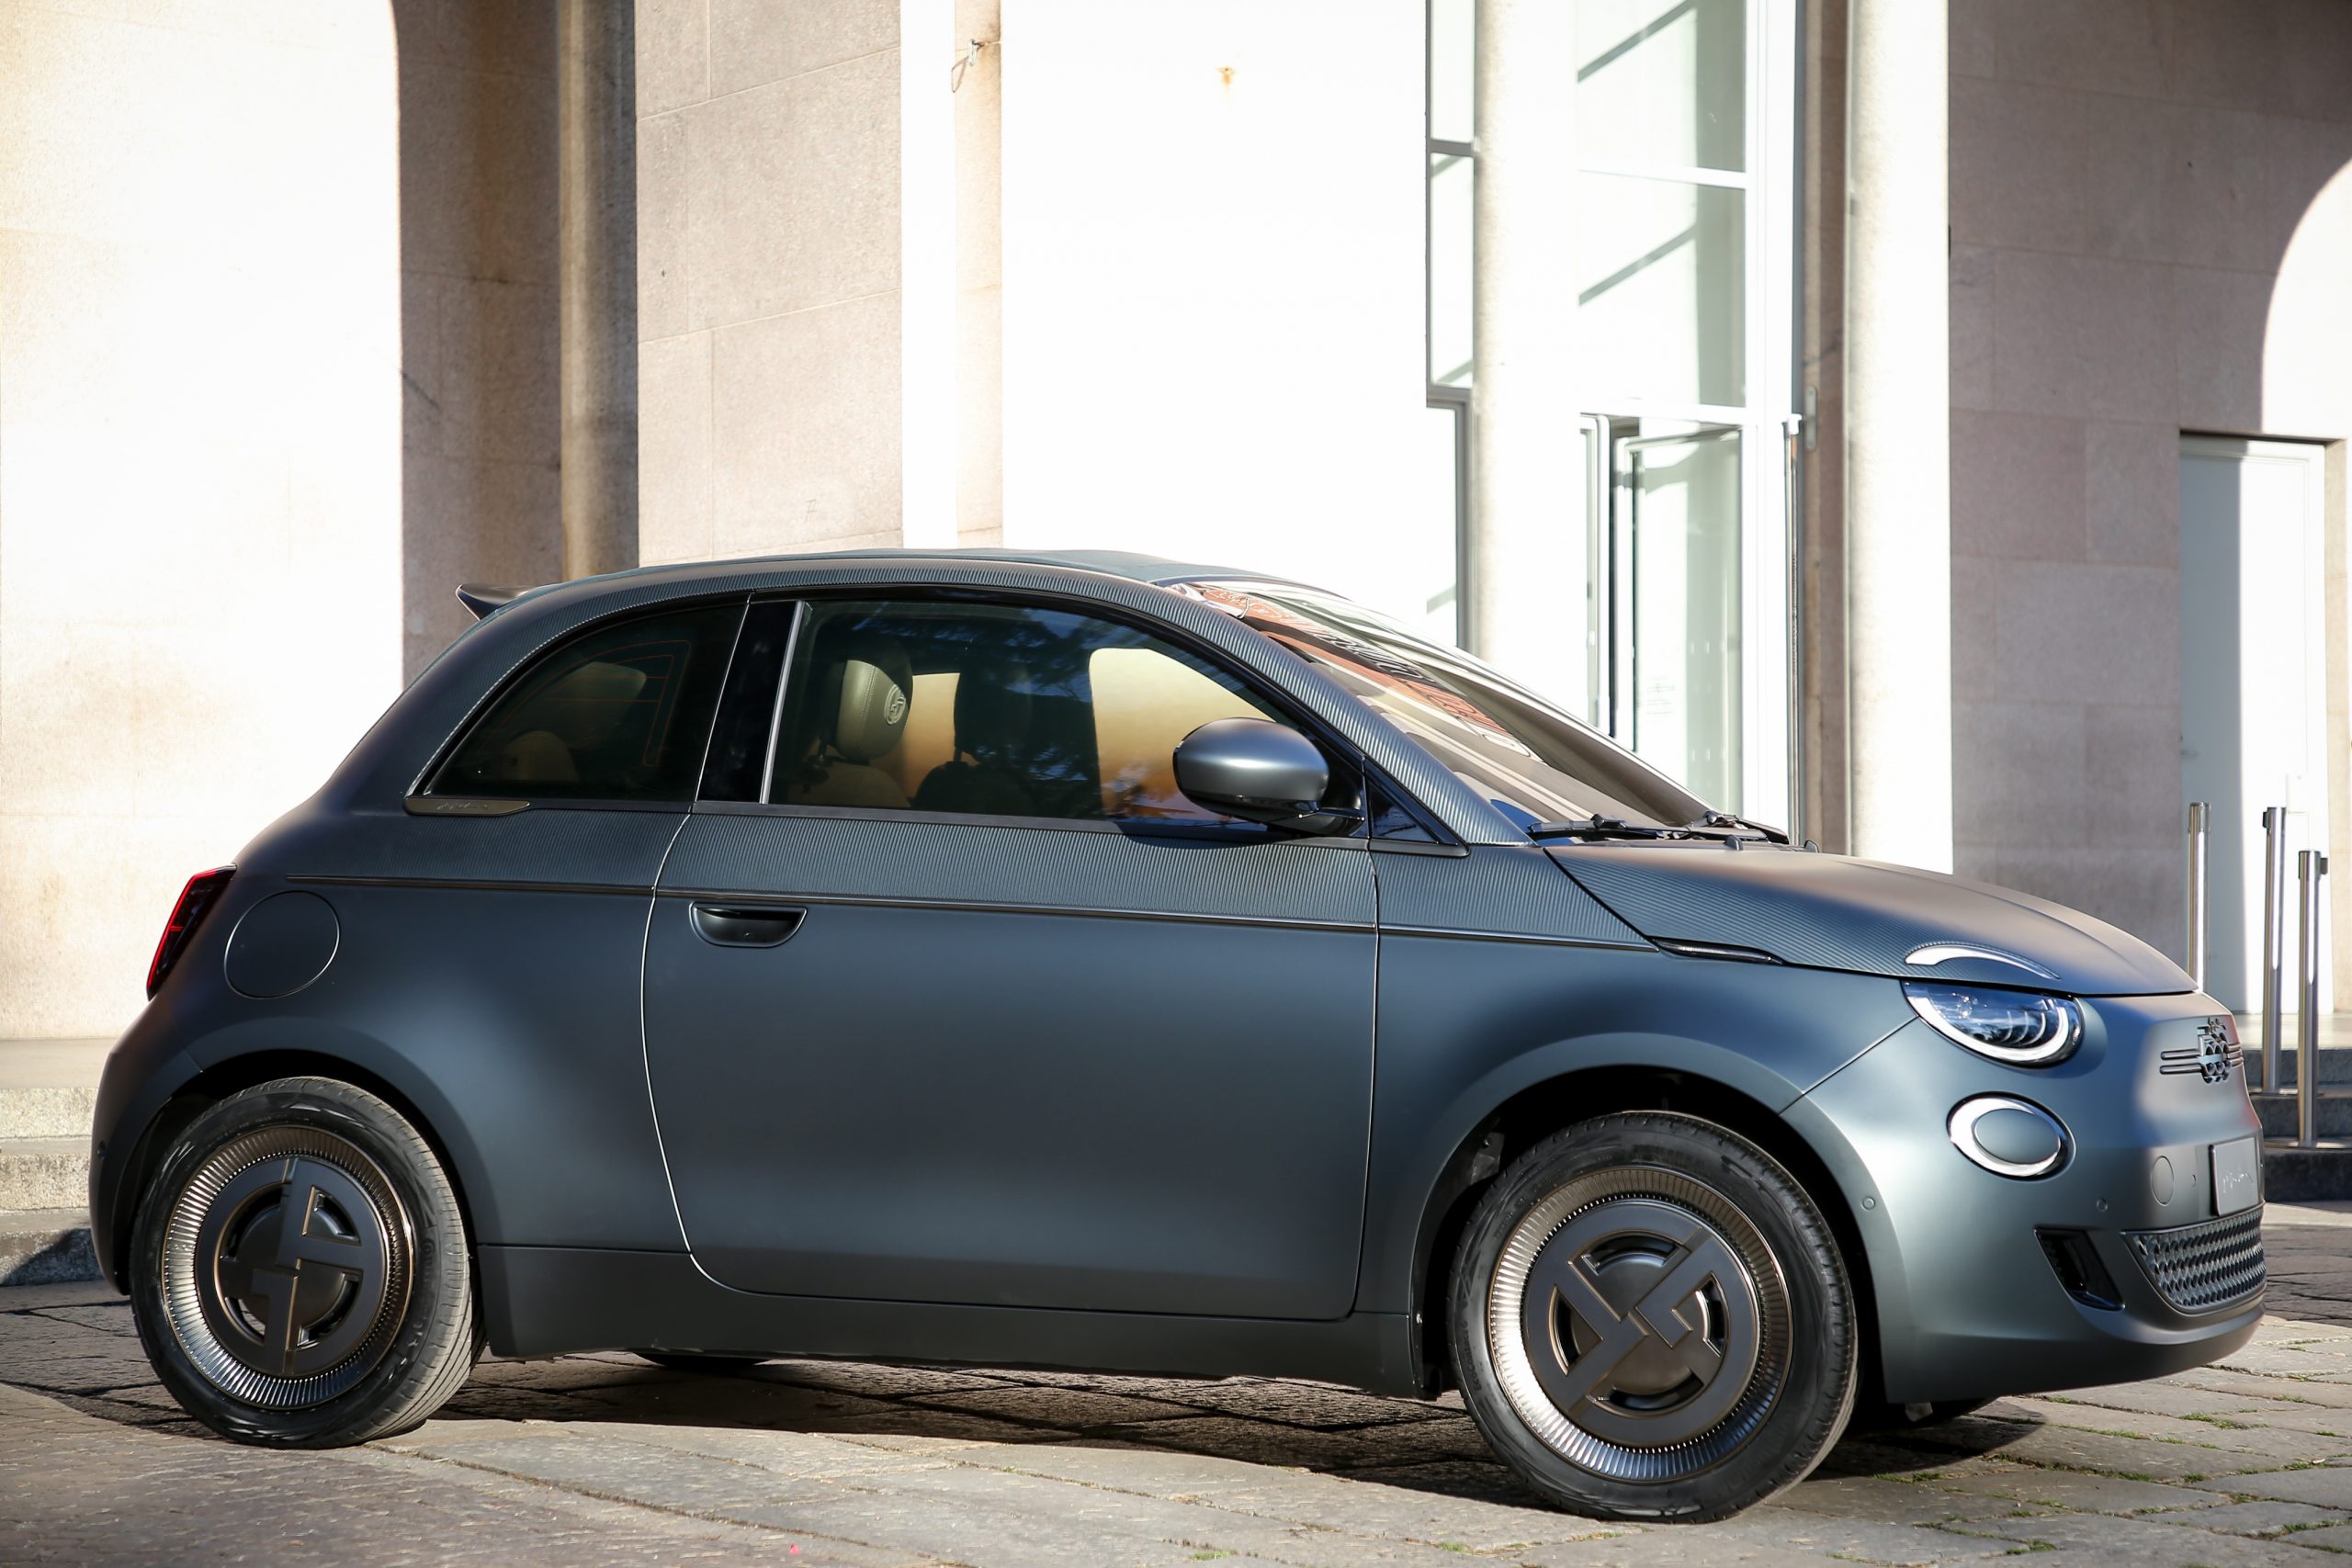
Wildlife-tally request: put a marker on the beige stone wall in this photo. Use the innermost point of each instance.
(226, 530)
(478, 419)
(2128, 181)
(768, 276)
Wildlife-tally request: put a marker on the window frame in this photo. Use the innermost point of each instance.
(418, 798)
(1344, 758)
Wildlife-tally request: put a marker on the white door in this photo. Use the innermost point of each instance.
(2252, 684)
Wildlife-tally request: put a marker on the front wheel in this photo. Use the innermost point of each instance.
(298, 1270)
(1651, 1321)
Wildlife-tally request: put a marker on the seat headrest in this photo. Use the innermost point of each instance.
(991, 711)
(869, 686)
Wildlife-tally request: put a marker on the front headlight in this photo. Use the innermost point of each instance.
(2021, 1028)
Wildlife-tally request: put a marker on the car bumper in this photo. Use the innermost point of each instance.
(143, 1072)
(1968, 1299)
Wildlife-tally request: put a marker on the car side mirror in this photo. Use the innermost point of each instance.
(1260, 772)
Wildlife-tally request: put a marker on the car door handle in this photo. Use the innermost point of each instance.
(746, 925)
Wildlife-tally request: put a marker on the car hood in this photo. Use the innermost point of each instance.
(1832, 912)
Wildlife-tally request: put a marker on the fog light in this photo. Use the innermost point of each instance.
(2009, 1138)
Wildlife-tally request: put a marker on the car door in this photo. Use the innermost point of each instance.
(966, 1003)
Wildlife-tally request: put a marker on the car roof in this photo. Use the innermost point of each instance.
(1156, 570)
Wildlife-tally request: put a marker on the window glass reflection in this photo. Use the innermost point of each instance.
(1660, 275)
(992, 710)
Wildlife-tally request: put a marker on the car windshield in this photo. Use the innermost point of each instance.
(1533, 762)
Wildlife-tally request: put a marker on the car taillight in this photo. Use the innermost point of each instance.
(203, 891)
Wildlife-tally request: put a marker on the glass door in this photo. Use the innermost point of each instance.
(1679, 656)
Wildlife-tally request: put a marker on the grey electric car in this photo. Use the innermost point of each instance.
(1089, 961)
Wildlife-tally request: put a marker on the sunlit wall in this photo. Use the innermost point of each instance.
(1213, 284)
(276, 342)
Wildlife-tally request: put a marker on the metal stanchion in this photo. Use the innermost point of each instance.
(2199, 814)
(2273, 937)
(2310, 869)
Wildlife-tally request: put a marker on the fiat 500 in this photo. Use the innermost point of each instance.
(1094, 962)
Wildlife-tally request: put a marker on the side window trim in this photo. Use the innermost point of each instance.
(776, 706)
(744, 727)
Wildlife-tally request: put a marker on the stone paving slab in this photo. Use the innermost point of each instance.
(607, 1459)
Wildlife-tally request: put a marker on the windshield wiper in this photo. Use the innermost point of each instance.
(1715, 826)
(1600, 827)
(1725, 819)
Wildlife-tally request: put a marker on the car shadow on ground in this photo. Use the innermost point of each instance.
(94, 1364)
(1426, 1444)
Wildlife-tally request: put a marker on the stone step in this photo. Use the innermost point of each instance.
(2335, 1067)
(46, 1246)
(48, 1110)
(44, 1173)
(48, 1089)
(2291, 1174)
(2279, 1113)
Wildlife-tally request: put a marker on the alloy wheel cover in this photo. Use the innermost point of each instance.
(287, 1265)
(1639, 1324)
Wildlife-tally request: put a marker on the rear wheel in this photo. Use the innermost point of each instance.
(298, 1270)
(1651, 1320)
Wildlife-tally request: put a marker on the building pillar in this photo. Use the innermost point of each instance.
(1898, 434)
(1526, 484)
(596, 282)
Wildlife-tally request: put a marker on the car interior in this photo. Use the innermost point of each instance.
(990, 711)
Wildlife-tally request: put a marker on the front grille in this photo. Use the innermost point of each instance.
(2201, 1267)
(2217, 1067)
(2216, 1057)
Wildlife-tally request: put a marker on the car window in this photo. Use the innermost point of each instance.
(619, 713)
(993, 710)
(1531, 761)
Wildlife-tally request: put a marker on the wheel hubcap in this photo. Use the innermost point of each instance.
(1638, 1325)
(286, 1267)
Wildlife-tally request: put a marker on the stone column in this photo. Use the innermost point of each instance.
(1898, 436)
(597, 279)
(1527, 483)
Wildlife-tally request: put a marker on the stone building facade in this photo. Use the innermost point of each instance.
(1629, 339)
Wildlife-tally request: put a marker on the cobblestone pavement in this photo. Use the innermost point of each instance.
(608, 1459)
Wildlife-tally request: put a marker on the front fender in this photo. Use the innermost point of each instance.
(1467, 1025)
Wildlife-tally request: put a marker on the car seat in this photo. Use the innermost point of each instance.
(863, 704)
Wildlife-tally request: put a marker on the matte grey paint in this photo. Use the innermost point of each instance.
(949, 1104)
(1495, 889)
(281, 944)
(1831, 912)
(488, 977)
(1963, 1293)
(1466, 1025)
(1251, 767)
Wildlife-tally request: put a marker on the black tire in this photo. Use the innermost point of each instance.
(1566, 1265)
(690, 1362)
(357, 1326)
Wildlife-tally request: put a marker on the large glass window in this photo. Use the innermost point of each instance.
(992, 710)
(1683, 202)
(622, 713)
